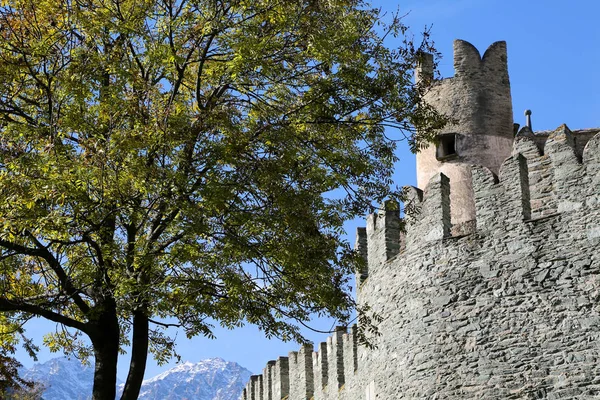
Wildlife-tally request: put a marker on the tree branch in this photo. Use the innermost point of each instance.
(8, 305)
(164, 324)
(42, 252)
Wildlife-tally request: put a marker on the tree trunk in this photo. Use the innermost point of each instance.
(105, 340)
(139, 356)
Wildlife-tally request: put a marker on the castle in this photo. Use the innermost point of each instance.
(493, 289)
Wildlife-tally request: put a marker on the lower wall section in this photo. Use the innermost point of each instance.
(306, 374)
(511, 313)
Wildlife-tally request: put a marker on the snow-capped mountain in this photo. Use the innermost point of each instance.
(212, 379)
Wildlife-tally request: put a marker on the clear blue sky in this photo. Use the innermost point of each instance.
(554, 59)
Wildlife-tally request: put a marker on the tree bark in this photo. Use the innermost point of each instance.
(105, 341)
(139, 355)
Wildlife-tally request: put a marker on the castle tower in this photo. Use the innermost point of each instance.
(478, 99)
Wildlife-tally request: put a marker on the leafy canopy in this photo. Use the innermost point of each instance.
(179, 157)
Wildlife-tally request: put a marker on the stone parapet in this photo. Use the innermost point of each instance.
(306, 374)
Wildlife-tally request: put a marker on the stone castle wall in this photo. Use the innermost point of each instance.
(493, 289)
(509, 309)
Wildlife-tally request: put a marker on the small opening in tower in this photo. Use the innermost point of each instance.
(446, 148)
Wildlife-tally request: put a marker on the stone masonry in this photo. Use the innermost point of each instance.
(506, 308)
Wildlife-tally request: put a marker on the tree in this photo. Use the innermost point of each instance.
(9, 377)
(14, 387)
(172, 162)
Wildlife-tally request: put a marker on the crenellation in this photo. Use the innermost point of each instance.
(541, 179)
(443, 293)
(428, 211)
(494, 61)
(258, 388)
(383, 233)
(268, 380)
(320, 370)
(487, 191)
(350, 346)
(514, 177)
(580, 137)
(335, 361)
(505, 309)
(591, 152)
(280, 378)
(436, 209)
(467, 60)
(591, 160)
(560, 146)
(413, 203)
(360, 246)
(253, 388)
(425, 69)
(301, 373)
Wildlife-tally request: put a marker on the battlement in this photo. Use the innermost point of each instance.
(306, 374)
(468, 61)
(547, 173)
(469, 64)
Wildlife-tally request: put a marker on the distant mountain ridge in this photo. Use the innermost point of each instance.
(211, 379)
(63, 378)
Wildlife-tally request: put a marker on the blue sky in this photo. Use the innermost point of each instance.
(554, 59)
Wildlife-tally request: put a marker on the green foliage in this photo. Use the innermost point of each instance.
(192, 160)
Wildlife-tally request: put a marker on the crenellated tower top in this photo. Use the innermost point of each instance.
(478, 100)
